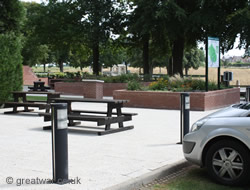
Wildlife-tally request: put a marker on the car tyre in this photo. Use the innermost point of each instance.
(227, 162)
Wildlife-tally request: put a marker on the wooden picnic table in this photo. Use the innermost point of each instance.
(101, 117)
(20, 100)
(39, 86)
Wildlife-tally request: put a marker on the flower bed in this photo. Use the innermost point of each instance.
(109, 88)
(199, 101)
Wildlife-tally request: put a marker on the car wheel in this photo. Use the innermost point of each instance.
(227, 162)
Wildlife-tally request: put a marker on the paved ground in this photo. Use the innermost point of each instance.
(100, 162)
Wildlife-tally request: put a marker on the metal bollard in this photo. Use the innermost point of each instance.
(59, 142)
(247, 94)
(185, 107)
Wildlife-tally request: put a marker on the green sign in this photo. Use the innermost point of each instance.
(213, 52)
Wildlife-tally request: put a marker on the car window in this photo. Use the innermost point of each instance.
(245, 106)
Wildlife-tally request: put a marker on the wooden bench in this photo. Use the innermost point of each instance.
(20, 100)
(100, 120)
(102, 112)
(15, 105)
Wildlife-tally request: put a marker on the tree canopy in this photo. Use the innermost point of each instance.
(103, 32)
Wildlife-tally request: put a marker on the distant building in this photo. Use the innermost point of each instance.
(236, 59)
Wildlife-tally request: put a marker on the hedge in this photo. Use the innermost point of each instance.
(11, 76)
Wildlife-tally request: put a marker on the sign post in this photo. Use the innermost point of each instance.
(212, 57)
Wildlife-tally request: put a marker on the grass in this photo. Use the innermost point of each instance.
(36, 98)
(195, 179)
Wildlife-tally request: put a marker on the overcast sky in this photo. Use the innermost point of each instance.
(233, 52)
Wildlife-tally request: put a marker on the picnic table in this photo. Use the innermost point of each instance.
(105, 118)
(38, 86)
(20, 100)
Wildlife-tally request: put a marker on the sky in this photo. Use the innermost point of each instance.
(230, 53)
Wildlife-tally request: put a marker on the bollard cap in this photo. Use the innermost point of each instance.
(185, 93)
(59, 105)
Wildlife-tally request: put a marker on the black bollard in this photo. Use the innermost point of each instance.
(247, 93)
(184, 122)
(59, 142)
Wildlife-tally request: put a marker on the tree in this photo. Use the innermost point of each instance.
(53, 27)
(97, 21)
(33, 52)
(11, 18)
(148, 32)
(219, 19)
(241, 21)
(193, 58)
(183, 27)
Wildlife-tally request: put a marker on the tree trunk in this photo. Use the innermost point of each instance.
(145, 55)
(177, 52)
(60, 63)
(126, 65)
(186, 71)
(44, 67)
(170, 66)
(96, 68)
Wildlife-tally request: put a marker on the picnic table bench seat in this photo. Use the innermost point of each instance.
(101, 120)
(103, 112)
(15, 105)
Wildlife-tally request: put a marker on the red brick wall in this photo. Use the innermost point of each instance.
(86, 89)
(29, 76)
(108, 88)
(171, 100)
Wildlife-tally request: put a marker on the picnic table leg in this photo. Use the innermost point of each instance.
(119, 113)
(26, 108)
(109, 114)
(15, 100)
(25, 100)
(71, 122)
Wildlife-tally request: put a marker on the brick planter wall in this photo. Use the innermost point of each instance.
(109, 88)
(88, 89)
(199, 101)
(29, 76)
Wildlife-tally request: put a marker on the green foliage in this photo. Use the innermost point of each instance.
(66, 75)
(124, 78)
(11, 18)
(193, 58)
(160, 84)
(178, 84)
(33, 52)
(149, 38)
(134, 85)
(10, 65)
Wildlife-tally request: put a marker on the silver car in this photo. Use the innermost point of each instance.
(221, 143)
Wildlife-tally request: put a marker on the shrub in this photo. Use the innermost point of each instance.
(178, 84)
(10, 65)
(42, 75)
(124, 78)
(134, 85)
(198, 84)
(160, 84)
